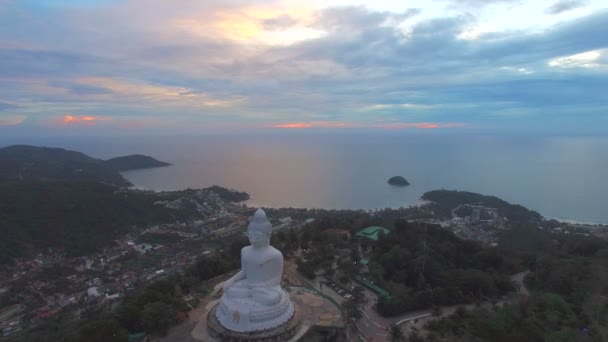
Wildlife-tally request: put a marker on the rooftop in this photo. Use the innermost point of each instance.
(372, 232)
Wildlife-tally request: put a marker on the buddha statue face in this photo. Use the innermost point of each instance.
(258, 239)
(259, 230)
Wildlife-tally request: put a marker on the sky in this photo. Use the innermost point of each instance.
(125, 67)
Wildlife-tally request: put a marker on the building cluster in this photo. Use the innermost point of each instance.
(474, 222)
(35, 289)
(580, 229)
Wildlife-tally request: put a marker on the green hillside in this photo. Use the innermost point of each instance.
(78, 217)
(23, 162)
(446, 200)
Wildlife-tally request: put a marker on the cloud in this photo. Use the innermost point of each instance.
(391, 125)
(17, 62)
(79, 89)
(418, 125)
(11, 120)
(207, 63)
(588, 59)
(279, 23)
(389, 106)
(121, 88)
(358, 18)
(82, 120)
(564, 6)
(4, 106)
(480, 3)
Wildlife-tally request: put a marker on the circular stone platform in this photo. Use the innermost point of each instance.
(311, 310)
(281, 333)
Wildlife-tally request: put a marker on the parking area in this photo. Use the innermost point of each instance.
(340, 290)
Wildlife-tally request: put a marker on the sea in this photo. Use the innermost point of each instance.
(562, 177)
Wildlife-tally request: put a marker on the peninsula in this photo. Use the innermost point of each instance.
(39, 163)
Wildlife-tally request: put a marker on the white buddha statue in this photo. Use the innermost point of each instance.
(253, 298)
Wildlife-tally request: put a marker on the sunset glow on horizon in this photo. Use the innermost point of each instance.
(394, 125)
(87, 120)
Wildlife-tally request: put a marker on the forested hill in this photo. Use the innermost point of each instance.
(134, 162)
(445, 200)
(22, 162)
(77, 217)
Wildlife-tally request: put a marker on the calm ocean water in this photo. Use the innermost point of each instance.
(562, 177)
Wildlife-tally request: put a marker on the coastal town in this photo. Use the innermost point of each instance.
(50, 283)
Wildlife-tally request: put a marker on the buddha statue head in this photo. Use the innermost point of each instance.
(259, 230)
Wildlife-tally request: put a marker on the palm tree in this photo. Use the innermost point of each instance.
(396, 335)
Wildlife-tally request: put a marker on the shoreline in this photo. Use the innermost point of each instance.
(417, 203)
(576, 221)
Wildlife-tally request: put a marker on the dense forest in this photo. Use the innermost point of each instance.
(77, 217)
(567, 302)
(425, 265)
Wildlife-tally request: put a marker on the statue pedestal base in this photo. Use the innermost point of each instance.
(280, 333)
(248, 315)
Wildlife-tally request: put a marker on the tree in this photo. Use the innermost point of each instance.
(364, 245)
(415, 337)
(396, 335)
(129, 315)
(355, 255)
(352, 309)
(358, 294)
(158, 317)
(103, 329)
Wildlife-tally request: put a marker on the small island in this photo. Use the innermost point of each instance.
(398, 181)
(134, 162)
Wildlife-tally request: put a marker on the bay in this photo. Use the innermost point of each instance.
(561, 177)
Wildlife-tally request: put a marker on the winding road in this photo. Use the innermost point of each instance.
(373, 327)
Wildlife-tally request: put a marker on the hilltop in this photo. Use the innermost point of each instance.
(398, 181)
(134, 162)
(79, 218)
(443, 201)
(35, 163)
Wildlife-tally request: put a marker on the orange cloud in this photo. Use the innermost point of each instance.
(294, 125)
(420, 125)
(83, 120)
(393, 125)
(313, 124)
